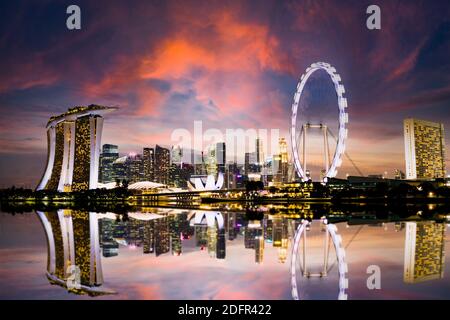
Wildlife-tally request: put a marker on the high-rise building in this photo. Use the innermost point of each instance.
(74, 140)
(135, 168)
(424, 251)
(424, 149)
(120, 171)
(259, 152)
(110, 153)
(162, 165)
(148, 158)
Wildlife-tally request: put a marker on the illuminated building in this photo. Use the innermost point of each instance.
(259, 249)
(162, 165)
(424, 149)
(259, 154)
(74, 140)
(110, 153)
(73, 240)
(284, 166)
(424, 251)
(135, 168)
(148, 158)
(120, 169)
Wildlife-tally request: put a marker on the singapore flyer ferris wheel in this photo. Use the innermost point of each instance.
(298, 136)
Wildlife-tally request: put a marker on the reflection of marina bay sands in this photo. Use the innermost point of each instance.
(74, 140)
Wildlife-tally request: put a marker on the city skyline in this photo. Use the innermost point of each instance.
(236, 68)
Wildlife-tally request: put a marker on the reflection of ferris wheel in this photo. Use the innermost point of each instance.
(330, 233)
(297, 137)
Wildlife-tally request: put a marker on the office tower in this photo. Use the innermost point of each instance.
(110, 153)
(74, 140)
(120, 171)
(211, 161)
(424, 149)
(259, 152)
(284, 166)
(424, 251)
(247, 163)
(221, 156)
(176, 155)
(135, 168)
(148, 159)
(162, 165)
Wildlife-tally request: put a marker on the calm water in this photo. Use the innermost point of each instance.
(194, 254)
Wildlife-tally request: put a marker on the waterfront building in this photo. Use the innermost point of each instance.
(74, 140)
(424, 149)
(135, 168)
(162, 165)
(110, 153)
(148, 159)
(120, 169)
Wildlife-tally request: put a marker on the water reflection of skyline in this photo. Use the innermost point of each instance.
(157, 232)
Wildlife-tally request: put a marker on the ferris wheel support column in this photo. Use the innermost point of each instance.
(305, 127)
(325, 147)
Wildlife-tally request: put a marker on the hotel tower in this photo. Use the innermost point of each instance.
(74, 140)
(424, 149)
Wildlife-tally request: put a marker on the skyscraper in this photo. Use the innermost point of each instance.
(110, 153)
(162, 165)
(135, 168)
(424, 149)
(74, 140)
(149, 164)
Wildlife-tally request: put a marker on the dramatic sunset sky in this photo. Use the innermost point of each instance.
(231, 64)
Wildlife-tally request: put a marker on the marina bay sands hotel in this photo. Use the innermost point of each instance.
(74, 140)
